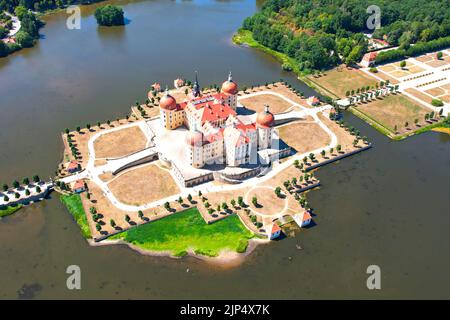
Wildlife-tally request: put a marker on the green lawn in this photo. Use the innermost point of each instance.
(187, 230)
(6, 211)
(75, 207)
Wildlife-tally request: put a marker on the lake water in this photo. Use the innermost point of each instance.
(388, 206)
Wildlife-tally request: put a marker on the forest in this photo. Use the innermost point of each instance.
(320, 34)
(40, 5)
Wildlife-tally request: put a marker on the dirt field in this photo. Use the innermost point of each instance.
(341, 80)
(143, 185)
(304, 137)
(420, 95)
(395, 110)
(278, 88)
(120, 143)
(268, 202)
(395, 70)
(257, 103)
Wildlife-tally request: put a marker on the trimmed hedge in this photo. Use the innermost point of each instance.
(418, 49)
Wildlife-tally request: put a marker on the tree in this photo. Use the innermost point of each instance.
(439, 55)
(38, 189)
(189, 197)
(27, 192)
(5, 187)
(233, 202)
(225, 206)
(141, 215)
(338, 148)
(406, 124)
(16, 184)
(4, 51)
(403, 64)
(127, 218)
(241, 201)
(109, 15)
(255, 201)
(112, 223)
(278, 191)
(67, 131)
(24, 39)
(26, 181)
(180, 200)
(167, 206)
(98, 227)
(323, 153)
(88, 126)
(437, 103)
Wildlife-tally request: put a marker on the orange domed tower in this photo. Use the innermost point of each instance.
(172, 116)
(229, 91)
(194, 148)
(265, 121)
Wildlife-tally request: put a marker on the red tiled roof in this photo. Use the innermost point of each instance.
(370, 56)
(78, 185)
(72, 165)
(275, 228)
(306, 216)
(214, 112)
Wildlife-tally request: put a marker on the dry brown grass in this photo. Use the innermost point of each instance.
(105, 177)
(278, 88)
(120, 143)
(304, 136)
(394, 110)
(436, 92)
(420, 95)
(445, 98)
(268, 202)
(257, 103)
(340, 80)
(345, 139)
(143, 185)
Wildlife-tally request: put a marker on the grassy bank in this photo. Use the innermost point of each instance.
(75, 207)
(187, 230)
(8, 210)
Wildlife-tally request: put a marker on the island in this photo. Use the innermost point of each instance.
(208, 172)
(109, 15)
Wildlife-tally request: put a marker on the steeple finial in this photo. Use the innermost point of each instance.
(230, 78)
(196, 87)
(266, 108)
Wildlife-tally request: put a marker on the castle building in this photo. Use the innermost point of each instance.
(216, 134)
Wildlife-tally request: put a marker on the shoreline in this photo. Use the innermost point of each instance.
(226, 258)
(245, 38)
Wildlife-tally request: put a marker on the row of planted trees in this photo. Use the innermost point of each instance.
(16, 186)
(432, 116)
(367, 94)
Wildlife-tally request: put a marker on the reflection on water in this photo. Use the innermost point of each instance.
(386, 206)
